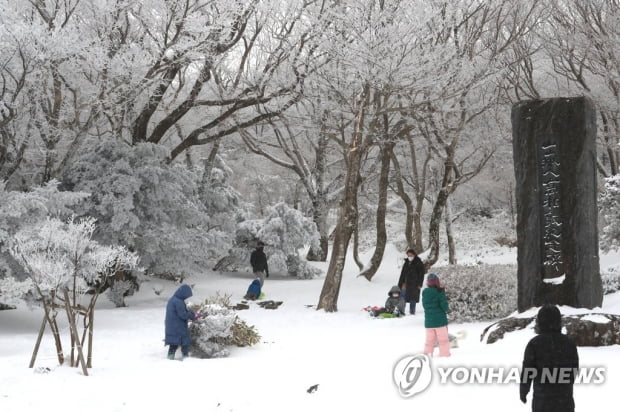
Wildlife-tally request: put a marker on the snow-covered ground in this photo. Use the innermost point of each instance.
(348, 354)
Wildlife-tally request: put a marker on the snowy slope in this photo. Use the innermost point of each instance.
(347, 353)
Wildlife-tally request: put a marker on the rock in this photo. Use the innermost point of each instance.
(269, 304)
(554, 149)
(241, 306)
(504, 326)
(591, 329)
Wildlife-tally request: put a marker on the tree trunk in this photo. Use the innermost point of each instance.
(319, 203)
(356, 242)
(400, 191)
(319, 216)
(377, 256)
(438, 208)
(331, 287)
(346, 214)
(450, 234)
(418, 243)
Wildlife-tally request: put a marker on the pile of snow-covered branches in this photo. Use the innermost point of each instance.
(480, 292)
(218, 328)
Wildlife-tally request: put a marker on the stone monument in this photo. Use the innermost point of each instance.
(555, 169)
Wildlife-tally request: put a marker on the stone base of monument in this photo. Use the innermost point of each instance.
(588, 329)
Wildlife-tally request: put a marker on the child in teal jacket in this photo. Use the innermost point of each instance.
(436, 308)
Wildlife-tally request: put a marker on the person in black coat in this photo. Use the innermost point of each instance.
(258, 260)
(411, 279)
(549, 363)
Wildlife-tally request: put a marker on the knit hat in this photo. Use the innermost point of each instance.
(432, 280)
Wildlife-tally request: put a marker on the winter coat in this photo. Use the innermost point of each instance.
(258, 260)
(436, 308)
(393, 303)
(254, 287)
(550, 349)
(177, 316)
(412, 275)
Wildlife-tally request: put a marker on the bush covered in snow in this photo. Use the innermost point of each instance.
(481, 292)
(284, 231)
(21, 210)
(218, 328)
(610, 213)
(174, 217)
(611, 279)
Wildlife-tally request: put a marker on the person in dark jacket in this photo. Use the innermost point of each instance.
(546, 356)
(177, 315)
(254, 289)
(258, 260)
(395, 304)
(436, 310)
(411, 279)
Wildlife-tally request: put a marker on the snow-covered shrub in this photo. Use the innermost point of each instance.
(611, 279)
(60, 254)
(20, 210)
(152, 207)
(119, 290)
(481, 292)
(218, 328)
(297, 266)
(610, 212)
(284, 231)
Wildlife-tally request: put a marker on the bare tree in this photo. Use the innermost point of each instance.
(306, 153)
(582, 40)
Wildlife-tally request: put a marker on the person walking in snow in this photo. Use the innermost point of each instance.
(177, 315)
(436, 308)
(555, 352)
(411, 279)
(258, 260)
(395, 304)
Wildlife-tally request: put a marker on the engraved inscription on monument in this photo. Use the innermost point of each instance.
(553, 268)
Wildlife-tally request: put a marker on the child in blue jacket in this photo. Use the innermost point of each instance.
(177, 315)
(254, 290)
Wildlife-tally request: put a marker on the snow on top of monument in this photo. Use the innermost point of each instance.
(596, 318)
(555, 281)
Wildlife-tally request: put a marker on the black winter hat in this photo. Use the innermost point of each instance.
(549, 319)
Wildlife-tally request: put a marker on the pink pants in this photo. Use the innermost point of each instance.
(437, 335)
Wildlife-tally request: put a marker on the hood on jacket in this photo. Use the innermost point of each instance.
(183, 292)
(395, 289)
(549, 320)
